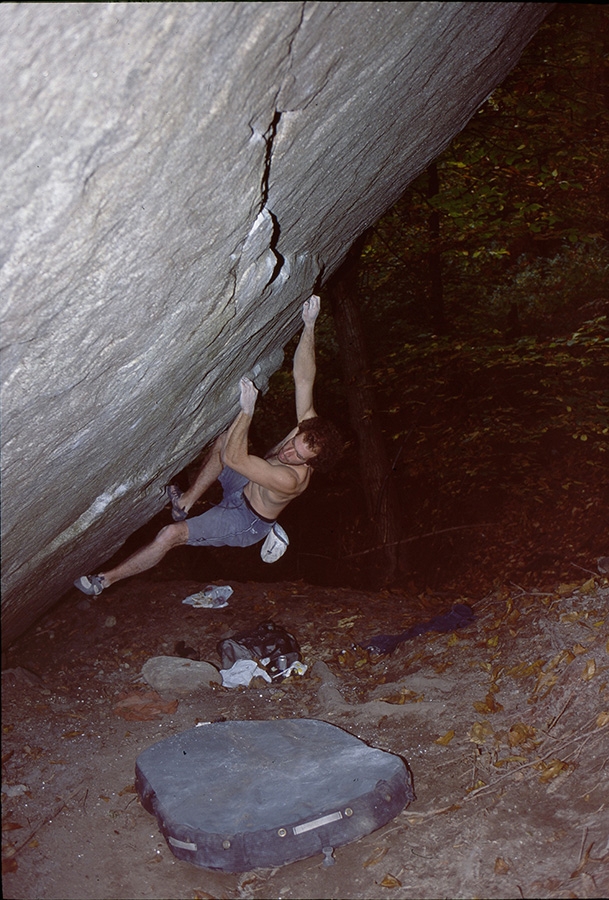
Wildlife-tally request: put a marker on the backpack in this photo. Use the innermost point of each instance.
(270, 645)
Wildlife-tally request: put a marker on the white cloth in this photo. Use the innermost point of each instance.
(242, 672)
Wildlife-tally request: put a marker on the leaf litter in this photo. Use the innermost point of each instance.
(505, 725)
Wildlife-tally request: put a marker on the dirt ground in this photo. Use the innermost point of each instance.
(504, 724)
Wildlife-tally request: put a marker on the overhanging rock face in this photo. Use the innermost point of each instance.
(176, 179)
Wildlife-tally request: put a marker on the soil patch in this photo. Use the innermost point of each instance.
(505, 725)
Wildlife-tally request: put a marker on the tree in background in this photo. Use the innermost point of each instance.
(521, 197)
(382, 505)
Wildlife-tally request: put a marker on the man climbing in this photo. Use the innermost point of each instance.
(255, 490)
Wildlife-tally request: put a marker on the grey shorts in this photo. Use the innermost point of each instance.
(233, 522)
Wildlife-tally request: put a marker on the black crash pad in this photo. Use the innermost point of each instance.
(240, 795)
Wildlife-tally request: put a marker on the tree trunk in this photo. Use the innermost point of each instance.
(434, 256)
(375, 469)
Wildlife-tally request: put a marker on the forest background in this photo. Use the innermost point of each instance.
(463, 349)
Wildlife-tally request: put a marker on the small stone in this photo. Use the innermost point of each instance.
(14, 790)
(175, 675)
(603, 565)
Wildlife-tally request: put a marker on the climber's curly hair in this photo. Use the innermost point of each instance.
(324, 439)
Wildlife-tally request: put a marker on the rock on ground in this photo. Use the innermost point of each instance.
(179, 677)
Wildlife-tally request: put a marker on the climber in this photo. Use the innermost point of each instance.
(255, 490)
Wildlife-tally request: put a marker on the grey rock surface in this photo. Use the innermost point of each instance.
(180, 677)
(176, 179)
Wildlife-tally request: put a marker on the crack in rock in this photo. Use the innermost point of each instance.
(260, 263)
(269, 137)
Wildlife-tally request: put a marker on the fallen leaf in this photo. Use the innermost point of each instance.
(545, 680)
(475, 786)
(396, 699)
(578, 649)
(348, 622)
(513, 617)
(492, 703)
(488, 705)
(509, 759)
(523, 669)
(9, 866)
(480, 731)
(552, 769)
(569, 617)
(602, 719)
(445, 739)
(128, 789)
(519, 733)
(588, 586)
(34, 752)
(501, 867)
(390, 881)
(375, 857)
(11, 826)
(72, 734)
(590, 670)
(561, 657)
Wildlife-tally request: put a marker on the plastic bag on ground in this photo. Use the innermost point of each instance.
(242, 672)
(211, 597)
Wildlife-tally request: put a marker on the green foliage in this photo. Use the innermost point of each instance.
(522, 186)
(545, 286)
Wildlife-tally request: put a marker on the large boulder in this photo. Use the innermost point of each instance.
(176, 179)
